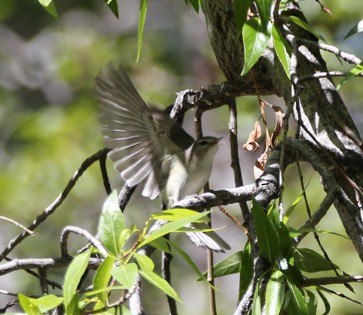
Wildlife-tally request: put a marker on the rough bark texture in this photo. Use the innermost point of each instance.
(327, 131)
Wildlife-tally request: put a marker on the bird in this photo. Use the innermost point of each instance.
(146, 145)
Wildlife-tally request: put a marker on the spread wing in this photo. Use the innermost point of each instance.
(129, 130)
(139, 139)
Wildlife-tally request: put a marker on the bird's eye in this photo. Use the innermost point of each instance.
(203, 142)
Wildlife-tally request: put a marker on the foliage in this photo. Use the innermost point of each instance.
(121, 266)
(283, 288)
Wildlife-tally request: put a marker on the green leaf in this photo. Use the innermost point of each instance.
(111, 225)
(296, 20)
(291, 208)
(145, 262)
(297, 301)
(39, 305)
(126, 274)
(112, 4)
(310, 261)
(358, 69)
(175, 214)
(355, 29)
(264, 9)
(325, 301)
(160, 283)
(281, 51)
(256, 305)
(49, 6)
(142, 19)
(240, 11)
(312, 305)
(103, 276)
(172, 227)
(73, 276)
(176, 249)
(246, 270)
(285, 241)
(229, 265)
(275, 293)
(195, 4)
(255, 40)
(267, 236)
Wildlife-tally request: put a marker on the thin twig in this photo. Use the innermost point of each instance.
(77, 230)
(56, 203)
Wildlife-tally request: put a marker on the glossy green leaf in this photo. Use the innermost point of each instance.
(73, 276)
(275, 293)
(310, 261)
(255, 40)
(160, 283)
(141, 25)
(240, 11)
(281, 51)
(103, 276)
(297, 302)
(35, 306)
(145, 262)
(49, 6)
(176, 214)
(355, 29)
(112, 4)
(126, 274)
(172, 227)
(111, 225)
(246, 270)
(267, 236)
(264, 10)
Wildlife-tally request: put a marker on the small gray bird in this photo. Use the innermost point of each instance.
(146, 145)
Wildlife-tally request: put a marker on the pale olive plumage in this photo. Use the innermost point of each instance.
(146, 145)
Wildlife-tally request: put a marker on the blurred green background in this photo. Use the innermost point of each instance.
(49, 125)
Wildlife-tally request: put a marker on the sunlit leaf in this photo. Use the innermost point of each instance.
(160, 283)
(172, 227)
(267, 236)
(111, 225)
(141, 25)
(175, 214)
(35, 306)
(275, 293)
(126, 274)
(49, 6)
(281, 50)
(103, 276)
(255, 40)
(73, 276)
(355, 29)
(145, 262)
(298, 301)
